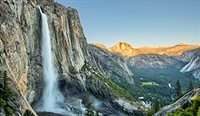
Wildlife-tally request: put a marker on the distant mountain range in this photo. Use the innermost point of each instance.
(126, 49)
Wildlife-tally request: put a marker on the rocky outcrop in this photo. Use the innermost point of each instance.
(126, 49)
(191, 61)
(100, 45)
(20, 56)
(183, 101)
(192, 65)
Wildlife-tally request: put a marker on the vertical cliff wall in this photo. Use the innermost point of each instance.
(20, 30)
(20, 56)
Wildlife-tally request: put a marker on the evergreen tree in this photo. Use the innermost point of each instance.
(6, 94)
(97, 113)
(198, 113)
(1, 74)
(156, 106)
(1, 84)
(7, 91)
(89, 111)
(190, 86)
(28, 113)
(178, 89)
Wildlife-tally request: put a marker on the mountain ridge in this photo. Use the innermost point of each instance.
(126, 49)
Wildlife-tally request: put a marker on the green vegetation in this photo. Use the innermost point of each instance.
(163, 77)
(2, 103)
(149, 84)
(9, 111)
(178, 89)
(155, 108)
(107, 83)
(198, 113)
(117, 90)
(156, 105)
(192, 110)
(5, 95)
(28, 113)
(97, 114)
(89, 111)
(190, 86)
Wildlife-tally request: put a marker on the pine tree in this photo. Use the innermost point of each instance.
(6, 94)
(178, 89)
(156, 106)
(190, 86)
(1, 84)
(7, 91)
(89, 111)
(97, 113)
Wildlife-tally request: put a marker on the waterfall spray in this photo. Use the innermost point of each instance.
(51, 98)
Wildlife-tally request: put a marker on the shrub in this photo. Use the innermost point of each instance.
(150, 112)
(119, 91)
(9, 111)
(192, 110)
(198, 114)
(28, 113)
(2, 103)
(8, 93)
(89, 111)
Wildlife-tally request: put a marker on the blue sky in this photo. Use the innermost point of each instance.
(139, 22)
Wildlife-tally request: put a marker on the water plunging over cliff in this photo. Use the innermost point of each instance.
(51, 98)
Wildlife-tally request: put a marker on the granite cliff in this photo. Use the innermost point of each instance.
(80, 77)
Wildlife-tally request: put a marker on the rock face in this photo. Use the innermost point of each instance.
(186, 99)
(114, 66)
(189, 61)
(13, 52)
(193, 63)
(100, 45)
(126, 49)
(153, 61)
(20, 56)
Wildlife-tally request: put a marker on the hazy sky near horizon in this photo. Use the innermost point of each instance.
(139, 22)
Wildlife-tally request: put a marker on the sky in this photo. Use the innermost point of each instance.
(139, 22)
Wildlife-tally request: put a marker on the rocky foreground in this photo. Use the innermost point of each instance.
(184, 101)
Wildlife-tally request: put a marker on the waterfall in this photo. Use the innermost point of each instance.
(51, 98)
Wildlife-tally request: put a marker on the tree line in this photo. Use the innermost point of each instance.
(178, 92)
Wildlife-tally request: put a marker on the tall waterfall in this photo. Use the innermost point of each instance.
(51, 98)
